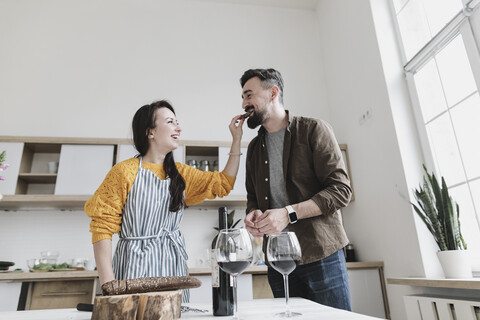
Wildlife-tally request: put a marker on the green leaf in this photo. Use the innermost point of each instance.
(439, 212)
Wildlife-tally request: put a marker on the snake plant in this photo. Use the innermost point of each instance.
(439, 212)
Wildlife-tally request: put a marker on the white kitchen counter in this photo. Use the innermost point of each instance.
(249, 310)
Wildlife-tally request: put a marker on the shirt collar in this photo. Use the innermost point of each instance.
(262, 130)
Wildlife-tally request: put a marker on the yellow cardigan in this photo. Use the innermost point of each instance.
(106, 206)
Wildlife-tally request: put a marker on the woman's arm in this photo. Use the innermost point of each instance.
(233, 162)
(103, 259)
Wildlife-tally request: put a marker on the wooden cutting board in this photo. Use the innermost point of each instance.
(164, 305)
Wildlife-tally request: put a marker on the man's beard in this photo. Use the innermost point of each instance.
(255, 120)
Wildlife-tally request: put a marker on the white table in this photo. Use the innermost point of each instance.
(249, 310)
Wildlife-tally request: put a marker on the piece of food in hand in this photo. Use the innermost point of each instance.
(151, 284)
(247, 114)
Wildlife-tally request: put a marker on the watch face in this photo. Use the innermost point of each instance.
(292, 216)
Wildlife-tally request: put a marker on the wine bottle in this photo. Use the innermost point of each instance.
(222, 290)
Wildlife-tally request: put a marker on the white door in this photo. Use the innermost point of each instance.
(366, 292)
(12, 158)
(126, 151)
(82, 168)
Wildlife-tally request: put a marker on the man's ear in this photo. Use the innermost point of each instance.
(275, 91)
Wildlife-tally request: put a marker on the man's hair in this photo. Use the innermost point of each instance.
(268, 79)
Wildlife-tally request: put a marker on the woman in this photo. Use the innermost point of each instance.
(143, 198)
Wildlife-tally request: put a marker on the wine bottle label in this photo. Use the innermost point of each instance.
(215, 272)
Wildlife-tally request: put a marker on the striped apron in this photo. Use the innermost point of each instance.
(150, 242)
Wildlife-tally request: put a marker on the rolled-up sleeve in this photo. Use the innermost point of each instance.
(106, 205)
(330, 170)
(201, 185)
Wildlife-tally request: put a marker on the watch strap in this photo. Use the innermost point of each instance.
(292, 214)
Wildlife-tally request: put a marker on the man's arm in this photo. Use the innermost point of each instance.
(275, 220)
(330, 170)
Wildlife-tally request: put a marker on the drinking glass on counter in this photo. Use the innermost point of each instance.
(234, 253)
(283, 253)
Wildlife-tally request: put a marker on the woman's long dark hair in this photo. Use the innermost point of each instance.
(143, 121)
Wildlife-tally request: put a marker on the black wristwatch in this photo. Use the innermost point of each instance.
(292, 215)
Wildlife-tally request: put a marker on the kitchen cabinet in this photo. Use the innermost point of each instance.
(14, 156)
(59, 294)
(51, 290)
(83, 164)
(82, 168)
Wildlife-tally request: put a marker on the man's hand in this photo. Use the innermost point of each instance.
(272, 221)
(249, 221)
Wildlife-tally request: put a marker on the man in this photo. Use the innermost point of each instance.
(296, 180)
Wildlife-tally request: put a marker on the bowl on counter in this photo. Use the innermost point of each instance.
(41, 264)
(4, 265)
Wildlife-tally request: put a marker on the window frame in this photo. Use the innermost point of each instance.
(466, 24)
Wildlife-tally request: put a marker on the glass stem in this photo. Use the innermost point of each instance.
(285, 281)
(235, 305)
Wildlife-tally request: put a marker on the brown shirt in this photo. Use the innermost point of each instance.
(313, 169)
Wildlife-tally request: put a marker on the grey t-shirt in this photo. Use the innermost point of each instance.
(278, 192)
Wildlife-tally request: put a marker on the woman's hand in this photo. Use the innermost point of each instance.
(236, 127)
(231, 168)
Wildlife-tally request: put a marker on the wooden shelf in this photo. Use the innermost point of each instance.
(231, 201)
(38, 177)
(48, 276)
(34, 189)
(472, 283)
(194, 271)
(71, 202)
(32, 201)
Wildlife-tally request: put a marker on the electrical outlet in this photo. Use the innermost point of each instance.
(367, 114)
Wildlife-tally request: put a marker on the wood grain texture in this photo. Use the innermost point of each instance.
(116, 307)
(159, 305)
(163, 305)
(149, 284)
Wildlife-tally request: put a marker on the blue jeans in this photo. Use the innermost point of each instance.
(324, 281)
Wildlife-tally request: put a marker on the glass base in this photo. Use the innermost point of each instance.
(287, 314)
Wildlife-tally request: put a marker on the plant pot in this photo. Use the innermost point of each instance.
(456, 264)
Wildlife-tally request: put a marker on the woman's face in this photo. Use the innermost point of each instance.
(166, 133)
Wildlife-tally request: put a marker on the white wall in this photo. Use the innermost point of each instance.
(378, 222)
(82, 68)
(364, 73)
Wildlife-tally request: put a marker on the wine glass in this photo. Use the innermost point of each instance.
(234, 253)
(283, 250)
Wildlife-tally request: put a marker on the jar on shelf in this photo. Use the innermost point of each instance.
(205, 165)
(193, 163)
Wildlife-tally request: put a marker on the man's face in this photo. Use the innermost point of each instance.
(256, 97)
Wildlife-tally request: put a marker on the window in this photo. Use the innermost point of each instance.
(442, 66)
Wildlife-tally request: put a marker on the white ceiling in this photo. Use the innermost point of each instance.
(293, 4)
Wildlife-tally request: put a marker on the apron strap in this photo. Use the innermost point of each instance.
(162, 234)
